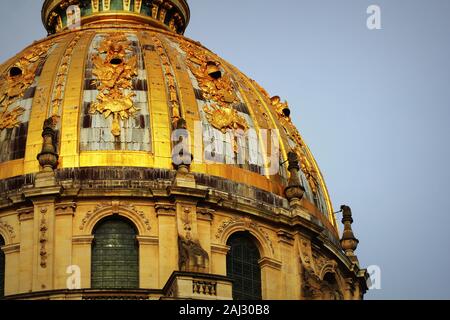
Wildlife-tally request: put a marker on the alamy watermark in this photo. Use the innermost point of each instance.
(374, 19)
(74, 280)
(374, 281)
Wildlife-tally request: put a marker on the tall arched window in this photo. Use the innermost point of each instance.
(243, 267)
(330, 288)
(115, 255)
(2, 268)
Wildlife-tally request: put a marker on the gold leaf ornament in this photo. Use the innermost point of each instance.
(216, 86)
(17, 80)
(114, 74)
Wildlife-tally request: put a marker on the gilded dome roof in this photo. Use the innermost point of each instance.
(120, 84)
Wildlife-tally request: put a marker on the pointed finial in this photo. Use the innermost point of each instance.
(348, 242)
(295, 191)
(48, 158)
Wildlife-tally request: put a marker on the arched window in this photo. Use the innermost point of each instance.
(243, 267)
(115, 255)
(330, 288)
(2, 269)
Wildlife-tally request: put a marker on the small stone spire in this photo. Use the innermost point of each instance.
(48, 158)
(294, 191)
(349, 242)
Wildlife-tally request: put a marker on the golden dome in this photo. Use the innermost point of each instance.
(118, 85)
(117, 113)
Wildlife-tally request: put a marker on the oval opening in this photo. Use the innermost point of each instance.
(287, 112)
(116, 61)
(15, 71)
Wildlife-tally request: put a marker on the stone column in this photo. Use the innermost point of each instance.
(290, 273)
(63, 245)
(44, 243)
(148, 262)
(168, 241)
(82, 252)
(219, 259)
(26, 217)
(270, 270)
(12, 263)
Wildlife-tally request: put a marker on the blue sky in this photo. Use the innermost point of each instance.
(374, 107)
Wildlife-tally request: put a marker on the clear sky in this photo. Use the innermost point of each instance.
(374, 107)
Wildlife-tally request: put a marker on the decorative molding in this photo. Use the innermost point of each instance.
(25, 214)
(65, 208)
(224, 225)
(270, 263)
(147, 240)
(164, 209)
(285, 237)
(249, 225)
(220, 249)
(9, 229)
(12, 248)
(99, 207)
(116, 207)
(43, 228)
(82, 240)
(205, 214)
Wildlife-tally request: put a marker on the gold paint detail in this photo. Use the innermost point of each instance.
(106, 5)
(171, 84)
(114, 75)
(61, 77)
(127, 5)
(19, 78)
(95, 6)
(216, 87)
(137, 6)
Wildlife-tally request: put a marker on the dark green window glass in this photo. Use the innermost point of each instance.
(243, 267)
(2, 269)
(115, 255)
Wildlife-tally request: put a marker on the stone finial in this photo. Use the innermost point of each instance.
(48, 158)
(348, 242)
(294, 191)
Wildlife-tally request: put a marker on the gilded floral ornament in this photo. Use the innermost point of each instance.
(282, 108)
(16, 82)
(216, 87)
(114, 72)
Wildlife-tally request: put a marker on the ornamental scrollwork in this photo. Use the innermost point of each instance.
(8, 228)
(114, 72)
(13, 85)
(216, 87)
(248, 224)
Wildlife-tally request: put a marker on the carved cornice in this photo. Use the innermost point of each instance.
(164, 209)
(12, 248)
(270, 263)
(86, 240)
(147, 240)
(219, 248)
(65, 208)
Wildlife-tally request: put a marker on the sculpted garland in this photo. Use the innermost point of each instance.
(216, 87)
(114, 73)
(18, 79)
